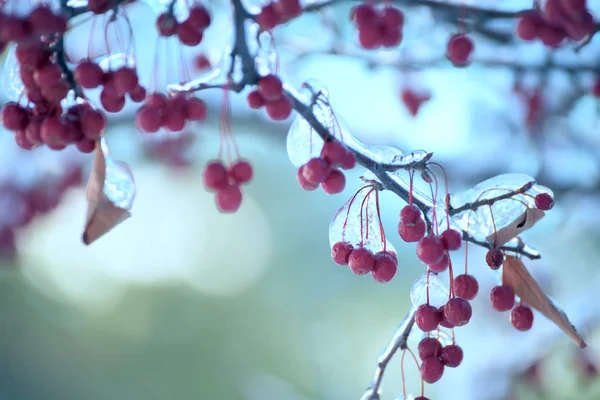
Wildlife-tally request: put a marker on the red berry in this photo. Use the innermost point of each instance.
(86, 145)
(270, 88)
(54, 132)
(413, 101)
(442, 265)
(89, 75)
(410, 214)
(30, 56)
(148, 119)
(280, 109)
(392, 17)
(544, 201)
(43, 21)
(521, 317)
(47, 76)
(166, 25)
(110, 103)
(529, 25)
(157, 100)
(385, 267)
(215, 175)
(457, 311)
(391, 37)
(444, 322)
(125, 80)
(369, 36)
(411, 233)
(452, 355)
(431, 370)
(460, 48)
(466, 286)
(14, 117)
(195, 109)
(335, 182)
(241, 171)
(288, 8)
(268, 18)
(364, 15)
(316, 170)
(188, 34)
(494, 258)
(92, 123)
(430, 249)
(255, 100)
(22, 141)
(229, 198)
(349, 161)
(421, 398)
(552, 36)
(361, 261)
(502, 298)
(306, 185)
(334, 153)
(33, 132)
(340, 252)
(199, 17)
(429, 347)
(451, 239)
(427, 317)
(174, 119)
(14, 29)
(138, 94)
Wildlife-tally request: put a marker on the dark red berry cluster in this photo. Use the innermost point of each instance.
(191, 31)
(558, 21)
(269, 94)
(378, 27)
(413, 100)
(116, 84)
(226, 181)
(326, 169)
(382, 265)
(171, 113)
(277, 13)
(41, 21)
(435, 357)
(460, 48)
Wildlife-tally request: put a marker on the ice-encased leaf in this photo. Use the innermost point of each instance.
(438, 292)
(302, 142)
(11, 80)
(351, 225)
(119, 185)
(511, 215)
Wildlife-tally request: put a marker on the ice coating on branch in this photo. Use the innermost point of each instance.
(383, 154)
(11, 80)
(119, 185)
(116, 61)
(511, 216)
(345, 225)
(438, 292)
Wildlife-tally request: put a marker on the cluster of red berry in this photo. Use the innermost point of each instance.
(41, 21)
(170, 113)
(225, 182)
(460, 48)
(382, 265)
(378, 27)
(191, 31)
(269, 94)
(277, 13)
(325, 170)
(558, 21)
(435, 357)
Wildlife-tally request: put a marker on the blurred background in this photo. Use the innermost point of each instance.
(182, 302)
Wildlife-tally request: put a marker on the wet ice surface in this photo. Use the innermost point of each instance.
(438, 292)
(119, 184)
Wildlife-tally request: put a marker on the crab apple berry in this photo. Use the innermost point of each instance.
(369, 36)
(429, 347)
(306, 185)
(157, 100)
(89, 75)
(410, 214)
(385, 267)
(444, 322)
(92, 123)
(138, 94)
(33, 131)
(54, 132)
(411, 233)
(335, 182)
(199, 17)
(166, 25)
(421, 398)
(431, 370)
(270, 87)
(502, 298)
(241, 171)
(112, 104)
(544, 201)
(349, 161)
(457, 311)
(229, 198)
(288, 8)
(430, 249)
(316, 170)
(268, 18)
(451, 356)
(466, 286)
(188, 34)
(215, 175)
(361, 261)
(494, 258)
(148, 119)
(442, 265)
(125, 80)
(340, 252)
(47, 76)
(279, 109)
(392, 17)
(334, 153)
(521, 317)
(427, 317)
(364, 15)
(255, 100)
(14, 29)
(451, 239)
(529, 25)
(460, 48)
(14, 117)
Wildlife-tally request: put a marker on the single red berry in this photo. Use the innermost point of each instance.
(340, 252)
(188, 34)
(215, 175)
(521, 317)
(289, 8)
(110, 103)
(544, 201)
(385, 267)
(452, 356)
(14, 29)
(451, 239)
(334, 153)
(241, 171)
(391, 37)
(494, 258)
(411, 233)
(430, 249)
(444, 322)
(268, 18)
(460, 48)
(22, 141)
(174, 119)
(502, 298)
(199, 17)
(138, 94)
(364, 15)
(255, 100)
(54, 132)
(306, 185)
(552, 36)
(89, 75)
(166, 25)
(30, 56)
(413, 101)
(125, 80)
(431, 370)
(44, 22)
(429, 347)
(349, 160)
(316, 170)
(148, 119)
(335, 182)
(270, 87)
(92, 123)
(86, 145)
(370, 36)
(529, 25)
(14, 117)
(457, 311)
(410, 214)
(466, 286)
(279, 109)
(33, 132)
(442, 265)
(427, 317)
(392, 17)
(229, 198)
(361, 261)
(47, 76)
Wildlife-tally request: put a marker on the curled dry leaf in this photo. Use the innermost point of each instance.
(523, 222)
(515, 275)
(110, 194)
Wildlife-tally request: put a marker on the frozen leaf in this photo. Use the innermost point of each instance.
(438, 292)
(515, 275)
(110, 194)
